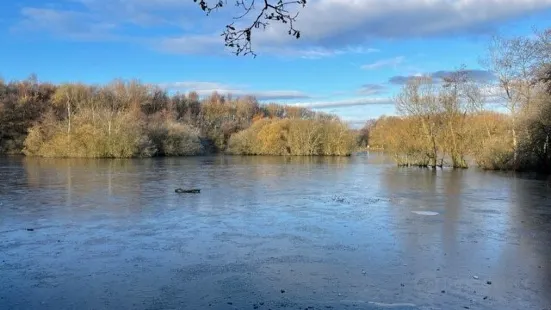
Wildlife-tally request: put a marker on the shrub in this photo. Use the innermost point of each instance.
(294, 137)
(181, 139)
(495, 154)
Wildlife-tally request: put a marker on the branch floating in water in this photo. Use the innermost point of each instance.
(187, 191)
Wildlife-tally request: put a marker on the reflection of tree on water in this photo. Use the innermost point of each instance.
(532, 215)
(453, 206)
(79, 184)
(489, 225)
(250, 204)
(410, 190)
(292, 160)
(417, 189)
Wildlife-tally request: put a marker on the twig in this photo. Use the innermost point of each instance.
(240, 39)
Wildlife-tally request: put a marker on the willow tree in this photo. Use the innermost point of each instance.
(458, 95)
(418, 98)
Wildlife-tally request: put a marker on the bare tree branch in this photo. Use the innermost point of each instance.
(239, 39)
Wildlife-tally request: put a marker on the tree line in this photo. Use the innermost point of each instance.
(452, 120)
(132, 119)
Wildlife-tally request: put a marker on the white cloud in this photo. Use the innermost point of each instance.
(391, 62)
(315, 52)
(328, 27)
(352, 102)
(278, 94)
(372, 89)
(476, 75)
(142, 12)
(337, 22)
(213, 44)
(192, 44)
(331, 27)
(193, 85)
(207, 88)
(72, 24)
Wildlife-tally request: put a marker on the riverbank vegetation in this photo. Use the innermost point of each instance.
(498, 119)
(131, 119)
(452, 119)
(294, 137)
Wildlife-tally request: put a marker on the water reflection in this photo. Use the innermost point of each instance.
(325, 228)
(533, 224)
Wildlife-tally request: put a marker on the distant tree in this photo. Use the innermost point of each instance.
(364, 132)
(239, 38)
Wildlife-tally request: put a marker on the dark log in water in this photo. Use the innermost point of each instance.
(187, 191)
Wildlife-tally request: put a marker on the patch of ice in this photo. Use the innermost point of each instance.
(425, 212)
(380, 304)
(396, 305)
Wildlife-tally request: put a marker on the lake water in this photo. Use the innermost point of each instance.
(270, 233)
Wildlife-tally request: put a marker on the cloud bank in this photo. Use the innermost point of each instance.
(328, 27)
(475, 75)
(207, 88)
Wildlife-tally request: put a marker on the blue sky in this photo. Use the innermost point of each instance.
(350, 60)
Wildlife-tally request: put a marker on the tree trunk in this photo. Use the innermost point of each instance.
(487, 127)
(68, 127)
(515, 143)
(457, 156)
(69, 118)
(514, 134)
(432, 143)
(546, 145)
(454, 151)
(434, 152)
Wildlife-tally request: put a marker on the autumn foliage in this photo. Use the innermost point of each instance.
(294, 137)
(453, 122)
(132, 119)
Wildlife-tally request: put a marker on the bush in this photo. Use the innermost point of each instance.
(118, 136)
(181, 139)
(495, 154)
(293, 137)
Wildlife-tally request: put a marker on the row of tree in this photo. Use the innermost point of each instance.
(127, 119)
(451, 119)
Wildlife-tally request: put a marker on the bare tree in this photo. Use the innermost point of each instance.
(239, 38)
(419, 99)
(454, 110)
(544, 46)
(514, 62)
(71, 96)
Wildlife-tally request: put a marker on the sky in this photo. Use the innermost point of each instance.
(351, 58)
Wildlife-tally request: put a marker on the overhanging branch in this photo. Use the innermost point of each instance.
(239, 39)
